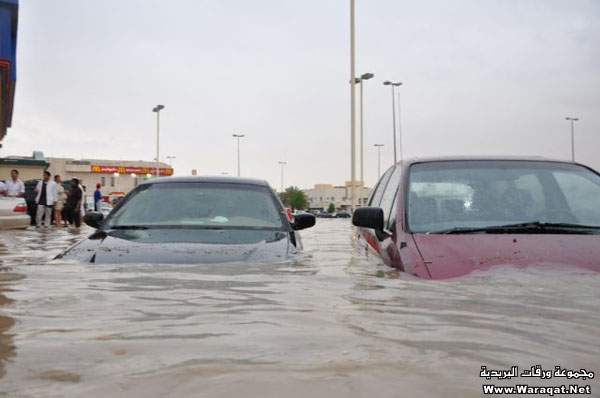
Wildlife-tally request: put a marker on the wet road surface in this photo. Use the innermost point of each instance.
(333, 323)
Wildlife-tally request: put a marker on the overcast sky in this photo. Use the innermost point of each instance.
(480, 77)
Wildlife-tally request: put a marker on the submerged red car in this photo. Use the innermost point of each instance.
(446, 217)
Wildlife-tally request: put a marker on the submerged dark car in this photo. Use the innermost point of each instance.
(446, 217)
(343, 214)
(193, 220)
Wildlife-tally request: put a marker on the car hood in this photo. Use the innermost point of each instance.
(108, 249)
(448, 256)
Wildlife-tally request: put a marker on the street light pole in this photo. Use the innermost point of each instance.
(157, 109)
(573, 120)
(364, 76)
(400, 127)
(378, 161)
(282, 164)
(238, 136)
(170, 159)
(389, 83)
(352, 108)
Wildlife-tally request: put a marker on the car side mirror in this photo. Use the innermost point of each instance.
(303, 221)
(368, 217)
(93, 219)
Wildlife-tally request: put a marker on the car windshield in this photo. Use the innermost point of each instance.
(198, 205)
(479, 194)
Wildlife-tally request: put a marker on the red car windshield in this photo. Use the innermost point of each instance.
(479, 194)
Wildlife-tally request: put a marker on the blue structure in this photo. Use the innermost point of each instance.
(9, 16)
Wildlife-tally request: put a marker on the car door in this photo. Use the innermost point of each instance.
(371, 238)
(387, 240)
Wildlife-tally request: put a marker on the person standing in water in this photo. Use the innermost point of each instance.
(97, 197)
(61, 197)
(46, 195)
(74, 203)
(14, 187)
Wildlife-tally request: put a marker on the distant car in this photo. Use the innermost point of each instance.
(446, 217)
(105, 208)
(88, 203)
(193, 220)
(343, 214)
(290, 214)
(13, 213)
(29, 196)
(325, 214)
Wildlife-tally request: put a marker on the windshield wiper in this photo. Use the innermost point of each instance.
(532, 226)
(128, 227)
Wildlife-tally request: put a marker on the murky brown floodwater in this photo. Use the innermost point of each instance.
(333, 323)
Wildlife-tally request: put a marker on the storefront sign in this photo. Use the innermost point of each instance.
(131, 169)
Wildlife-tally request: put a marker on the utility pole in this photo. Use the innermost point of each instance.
(572, 120)
(282, 164)
(352, 109)
(238, 136)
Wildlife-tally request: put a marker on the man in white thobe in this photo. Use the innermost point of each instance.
(46, 196)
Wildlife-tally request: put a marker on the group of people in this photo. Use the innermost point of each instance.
(50, 197)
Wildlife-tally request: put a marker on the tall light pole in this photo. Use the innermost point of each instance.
(170, 159)
(378, 160)
(400, 127)
(282, 164)
(352, 108)
(572, 120)
(238, 136)
(389, 83)
(364, 76)
(157, 109)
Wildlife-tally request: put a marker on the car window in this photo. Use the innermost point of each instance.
(391, 223)
(582, 195)
(199, 205)
(378, 192)
(387, 199)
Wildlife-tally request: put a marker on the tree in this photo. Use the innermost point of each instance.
(331, 208)
(294, 197)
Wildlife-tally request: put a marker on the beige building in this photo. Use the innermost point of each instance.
(322, 195)
(117, 177)
(30, 168)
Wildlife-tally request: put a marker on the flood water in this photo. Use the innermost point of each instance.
(333, 323)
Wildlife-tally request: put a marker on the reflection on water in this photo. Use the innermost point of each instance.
(334, 322)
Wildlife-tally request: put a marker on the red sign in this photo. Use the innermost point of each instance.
(131, 169)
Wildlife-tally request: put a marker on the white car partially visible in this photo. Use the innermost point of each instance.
(105, 208)
(13, 213)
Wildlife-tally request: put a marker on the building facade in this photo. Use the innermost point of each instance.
(322, 195)
(117, 177)
(30, 168)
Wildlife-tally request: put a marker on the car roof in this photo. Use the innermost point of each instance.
(483, 157)
(209, 179)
